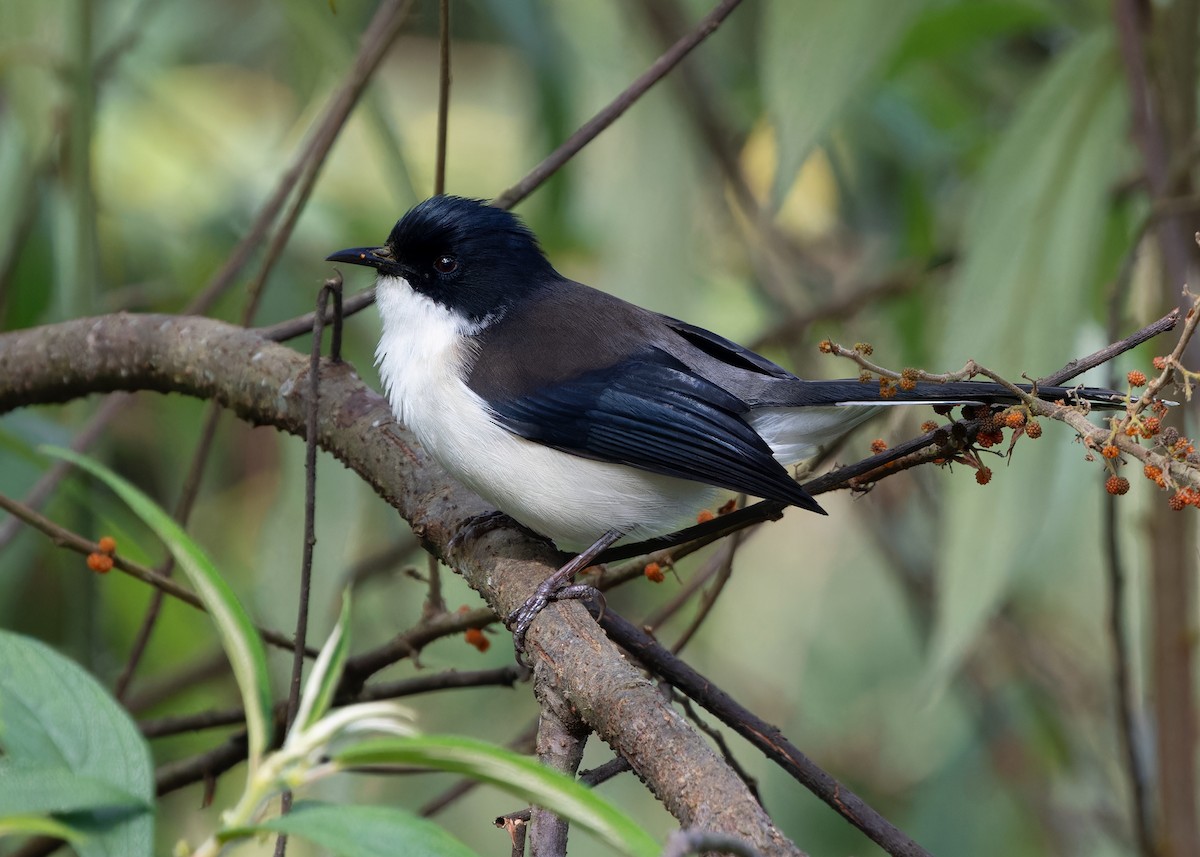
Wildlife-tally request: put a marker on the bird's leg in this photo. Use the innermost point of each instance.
(556, 588)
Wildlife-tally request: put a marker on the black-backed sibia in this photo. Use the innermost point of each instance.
(584, 417)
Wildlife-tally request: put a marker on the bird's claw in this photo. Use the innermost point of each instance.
(520, 619)
(484, 523)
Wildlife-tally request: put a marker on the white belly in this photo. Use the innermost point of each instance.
(570, 499)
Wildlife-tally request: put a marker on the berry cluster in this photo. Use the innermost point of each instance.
(1144, 422)
(101, 561)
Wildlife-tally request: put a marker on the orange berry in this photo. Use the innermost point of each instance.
(825, 346)
(983, 475)
(864, 377)
(1033, 429)
(704, 517)
(1151, 426)
(1154, 474)
(1110, 451)
(107, 544)
(1136, 378)
(1116, 485)
(878, 445)
(864, 348)
(887, 390)
(475, 637)
(101, 563)
(908, 385)
(1178, 501)
(1160, 363)
(1014, 419)
(928, 426)
(989, 438)
(654, 573)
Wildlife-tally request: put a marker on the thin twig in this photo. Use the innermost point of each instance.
(291, 328)
(506, 676)
(73, 541)
(439, 175)
(1098, 358)
(302, 175)
(724, 571)
(718, 738)
(1127, 727)
(331, 288)
(44, 487)
(610, 113)
(761, 734)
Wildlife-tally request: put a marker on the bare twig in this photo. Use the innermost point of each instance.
(302, 175)
(332, 288)
(45, 486)
(609, 114)
(449, 680)
(72, 541)
(439, 175)
(762, 735)
(1127, 730)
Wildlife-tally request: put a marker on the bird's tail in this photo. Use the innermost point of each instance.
(800, 418)
(849, 393)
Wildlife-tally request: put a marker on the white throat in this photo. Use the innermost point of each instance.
(422, 353)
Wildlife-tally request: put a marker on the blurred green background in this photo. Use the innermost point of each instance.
(947, 180)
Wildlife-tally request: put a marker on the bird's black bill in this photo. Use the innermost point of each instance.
(369, 256)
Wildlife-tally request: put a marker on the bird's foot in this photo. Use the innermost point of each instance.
(484, 523)
(557, 587)
(520, 619)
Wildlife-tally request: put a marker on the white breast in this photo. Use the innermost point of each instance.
(422, 356)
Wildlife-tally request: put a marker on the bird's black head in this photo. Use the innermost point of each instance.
(473, 259)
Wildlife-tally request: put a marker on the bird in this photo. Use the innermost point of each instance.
(584, 417)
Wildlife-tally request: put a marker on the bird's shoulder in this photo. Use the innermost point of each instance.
(566, 330)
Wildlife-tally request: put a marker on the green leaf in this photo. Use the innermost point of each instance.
(238, 636)
(1033, 238)
(59, 729)
(960, 27)
(816, 58)
(55, 789)
(518, 775)
(326, 672)
(37, 825)
(362, 831)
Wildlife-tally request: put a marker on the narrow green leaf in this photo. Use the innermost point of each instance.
(326, 672)
(238, 636)
(362, 831)
(512, 773)
(37, 825)
(61, 731)
(816, 58)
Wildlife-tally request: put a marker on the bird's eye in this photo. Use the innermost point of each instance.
(445, 264)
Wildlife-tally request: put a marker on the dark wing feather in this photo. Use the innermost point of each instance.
(649, 412)
(725, 351)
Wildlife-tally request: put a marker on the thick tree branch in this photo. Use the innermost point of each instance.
(264, 383)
